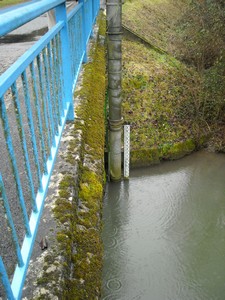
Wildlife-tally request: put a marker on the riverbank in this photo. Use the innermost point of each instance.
(173, 108)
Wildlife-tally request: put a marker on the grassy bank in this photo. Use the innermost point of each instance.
(155, 20)
(172, 107)
(154, 89)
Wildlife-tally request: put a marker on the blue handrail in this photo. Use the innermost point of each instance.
(35, 102)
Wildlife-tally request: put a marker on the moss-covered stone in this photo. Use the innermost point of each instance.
(147, 157)
(144, 157)
(177, 150)
(88, 257)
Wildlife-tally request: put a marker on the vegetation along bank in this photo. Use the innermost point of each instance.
(173, 77)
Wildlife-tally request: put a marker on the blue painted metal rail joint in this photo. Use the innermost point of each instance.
(36, 99)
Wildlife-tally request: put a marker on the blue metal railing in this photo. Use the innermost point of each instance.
(35, 102)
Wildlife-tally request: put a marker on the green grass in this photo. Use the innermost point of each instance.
(5, 3)
(155, 87)
(166, 101)
(154, 19)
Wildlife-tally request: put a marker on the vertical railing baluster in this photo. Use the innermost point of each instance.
(40, 73)
(61, 15)
(59, 51)
(93, 11)
(58, 80)
(80, 35)
(90, 18)
(97, 6)
(75, 45)
(79, 38)
(38, 115)
(52, 88)
(62, 83)
(84, 31)
(72, 34)
(9, 144)
(49, 102)
(3, 198)
(5, 281)
(31, 125)
(23, 143)
(75, 42)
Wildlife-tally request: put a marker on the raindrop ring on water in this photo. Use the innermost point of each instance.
(114, 231)
(112, 243)
(114, 284)
(110, 297)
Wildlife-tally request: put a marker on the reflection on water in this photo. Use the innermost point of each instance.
(164, 232)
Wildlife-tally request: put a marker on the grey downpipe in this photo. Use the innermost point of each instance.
(114, 30)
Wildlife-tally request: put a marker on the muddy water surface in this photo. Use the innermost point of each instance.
(164, 232)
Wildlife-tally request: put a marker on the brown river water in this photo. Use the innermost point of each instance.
(164, 232)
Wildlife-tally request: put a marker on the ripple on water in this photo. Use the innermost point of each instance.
(168, 237)
(114, 284)
(110, 297)
(112, 243)
(114, 231)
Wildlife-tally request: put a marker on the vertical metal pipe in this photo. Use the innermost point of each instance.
(114, 27)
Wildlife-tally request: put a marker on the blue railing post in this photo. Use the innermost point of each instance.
(60, 13)
(84, 30)
(5, 281)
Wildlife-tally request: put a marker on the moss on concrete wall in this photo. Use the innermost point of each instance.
(77, 209)
(169, 151)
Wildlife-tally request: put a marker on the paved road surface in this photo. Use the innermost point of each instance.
(13, 45)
